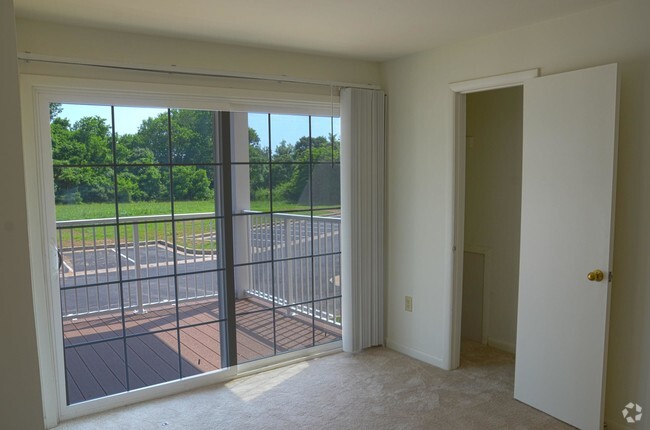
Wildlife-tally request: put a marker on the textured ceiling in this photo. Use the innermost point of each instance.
(375, 30)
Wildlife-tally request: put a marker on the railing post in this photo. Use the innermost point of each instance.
(241, 235)
(252, 282)
(289, 247)
(136, 259)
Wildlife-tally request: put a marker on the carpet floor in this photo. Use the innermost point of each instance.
(375, 389)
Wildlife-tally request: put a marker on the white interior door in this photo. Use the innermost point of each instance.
(569, 159)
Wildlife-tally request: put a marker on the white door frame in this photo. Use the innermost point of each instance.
(460, 90)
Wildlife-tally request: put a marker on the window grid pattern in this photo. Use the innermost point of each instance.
(291, 271)
(120, 262)
(141, 294)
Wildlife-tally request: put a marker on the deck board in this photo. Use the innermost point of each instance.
(82, 375)
(103, 373)
(149, 368)
(160, 349)
(99, 369)
(73, 391)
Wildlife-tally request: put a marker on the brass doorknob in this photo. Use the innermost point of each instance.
(596, 275)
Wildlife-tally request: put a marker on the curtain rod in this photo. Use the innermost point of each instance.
(173, 69)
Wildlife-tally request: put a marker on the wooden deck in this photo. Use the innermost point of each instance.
(100, 369)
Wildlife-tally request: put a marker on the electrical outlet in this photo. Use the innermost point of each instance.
(408, 304)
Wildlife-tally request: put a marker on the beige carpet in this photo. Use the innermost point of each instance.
(376, 389)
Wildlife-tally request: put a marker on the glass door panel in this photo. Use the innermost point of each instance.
(190, 241)
(286, 200)
(140, 228)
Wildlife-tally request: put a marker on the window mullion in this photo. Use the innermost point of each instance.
(227, 301)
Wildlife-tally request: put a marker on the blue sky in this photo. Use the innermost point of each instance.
(284, 127)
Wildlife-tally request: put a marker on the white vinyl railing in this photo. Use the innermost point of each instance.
(91, 259)
(291, 240)
(93, 266)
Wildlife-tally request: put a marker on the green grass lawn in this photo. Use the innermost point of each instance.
(107, 210)
(188, 233)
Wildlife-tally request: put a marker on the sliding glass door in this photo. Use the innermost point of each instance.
(190, 241)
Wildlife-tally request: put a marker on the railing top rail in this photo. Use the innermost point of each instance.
(133, 219)
(178, 217)
(295, 216)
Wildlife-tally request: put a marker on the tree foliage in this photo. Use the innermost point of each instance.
(293, 180)
(82, 145)
(55, 110)
(83, 157)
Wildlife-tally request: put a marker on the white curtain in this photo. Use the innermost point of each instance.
(362, 205)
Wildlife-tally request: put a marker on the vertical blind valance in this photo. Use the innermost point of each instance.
(362, 205)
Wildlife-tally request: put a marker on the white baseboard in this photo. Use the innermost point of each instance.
(418, 355)
(502, 345)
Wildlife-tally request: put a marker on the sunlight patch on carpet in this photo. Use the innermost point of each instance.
(250, 388)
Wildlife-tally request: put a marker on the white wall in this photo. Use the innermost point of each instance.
(20, 394)
(67, 41)
(420, 172)
(493, 203)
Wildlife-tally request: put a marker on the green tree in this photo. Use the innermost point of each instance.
(325, 177)
(153, 134)
(258, 173)
(152, 183)
(55, 110)
(127, 187)
(282, 171)
(253, 137)
(95, 137)
(192, 136)
(192, 142)
(65, 150)
(256, 153)
(191, 183)
(84, 144)
(81, 151)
